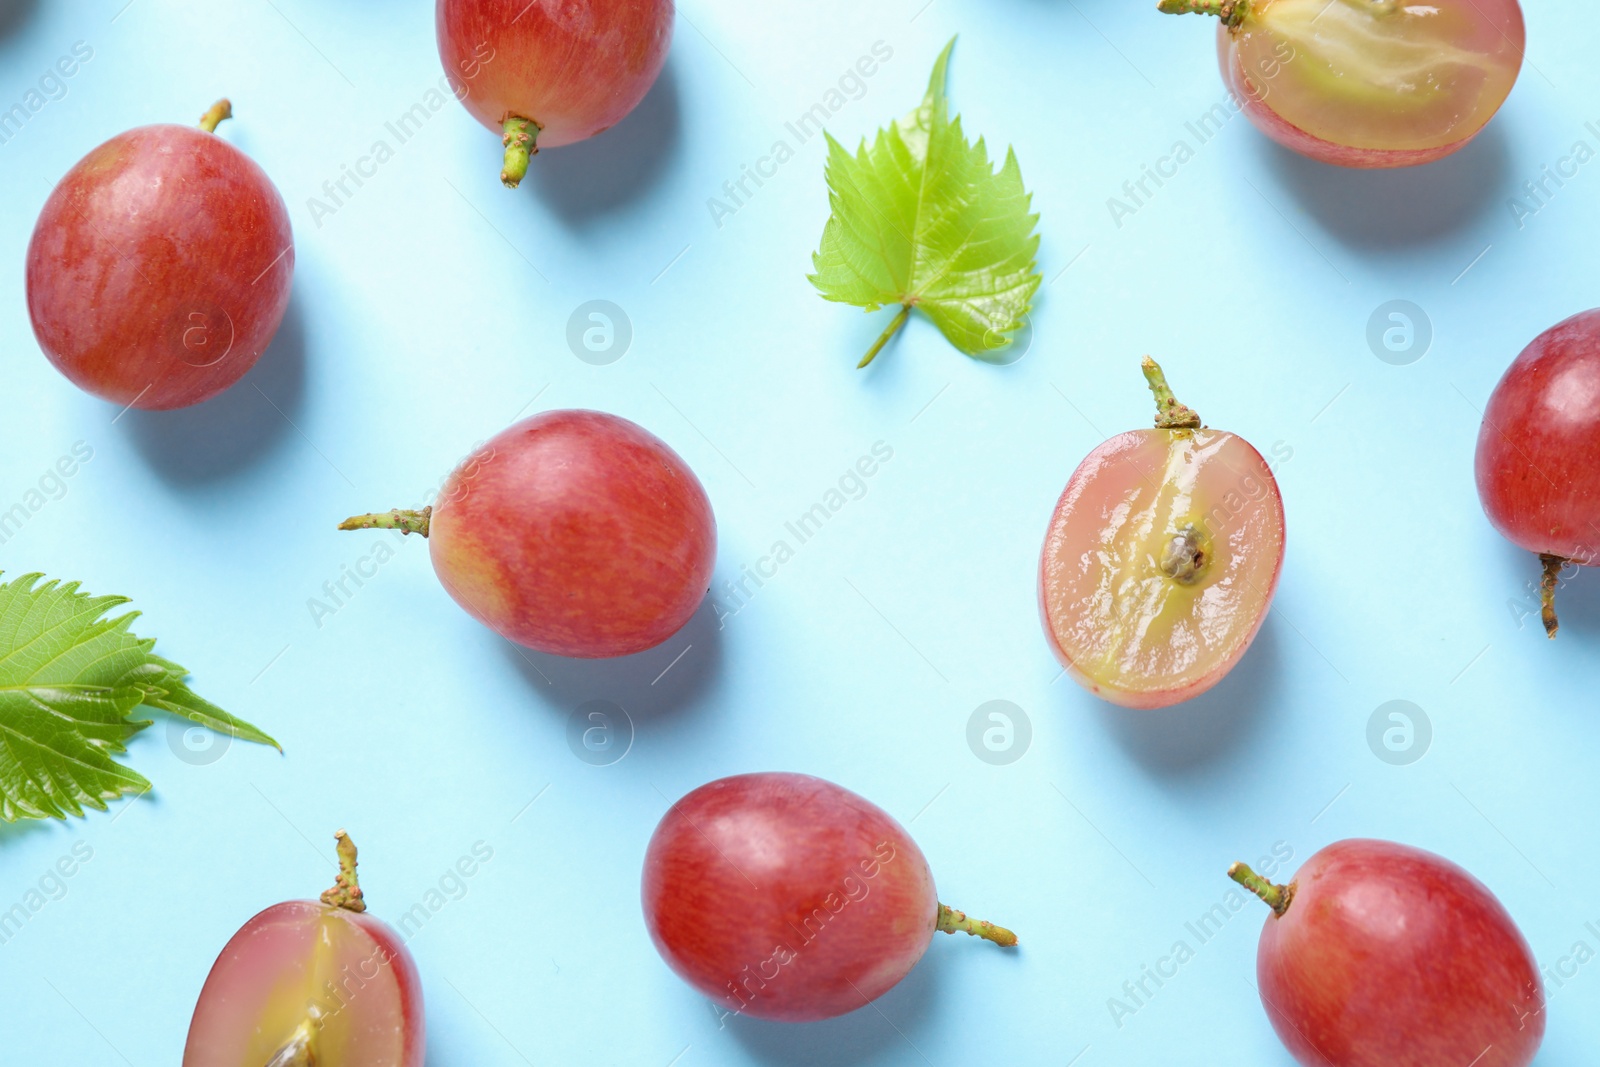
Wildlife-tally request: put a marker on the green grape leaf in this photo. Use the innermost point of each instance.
(173, 695)
(70, 680)
(922, 219)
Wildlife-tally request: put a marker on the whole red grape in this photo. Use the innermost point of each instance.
(1367, 83)
(1161, 558)
(782, 896)
(1538, 463)
(312, 984)
(1383, 955)
(572, 532)
(544, 73)
(159, 269)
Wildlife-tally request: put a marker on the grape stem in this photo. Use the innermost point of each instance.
(952, 921)
(883, 338)
(406, 521)
(1170, 415)
(1231, 12)
(1277, 897)
(521, 137)
(346, 892)
(222, 109)
(1547, 592)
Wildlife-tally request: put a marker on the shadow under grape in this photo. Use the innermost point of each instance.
(1209, 728)
(1394, 209)
(584, 181)
(652, 684)
(895, 1019)
(14, 14)
(234, 430)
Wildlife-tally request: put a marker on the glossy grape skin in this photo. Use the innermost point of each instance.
(1389, 956)
(786, 897)
(576, 67)
(277, 967)
(1538, 459)
(575, 533)
(1361, 83)
(1127, 631)
(160, 268)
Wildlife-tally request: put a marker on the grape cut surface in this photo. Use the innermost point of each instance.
(1368, 83)
(1160, 562)
(311, 984)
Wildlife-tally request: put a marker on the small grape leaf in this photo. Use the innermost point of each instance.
(70, 680)
(922, 219)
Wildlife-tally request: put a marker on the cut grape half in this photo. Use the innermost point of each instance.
(311, 984)
(1367, 83)
(1161, 559)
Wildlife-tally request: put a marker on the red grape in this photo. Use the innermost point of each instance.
(1161, 559)
(544, 73)
(309, 984)
(1382, 955)
(1367, 83)
(159, 269)
(572, 532)
(1538, 462)
(786, 897)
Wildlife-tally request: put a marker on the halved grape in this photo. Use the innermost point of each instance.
(1368, 83)
(311, 984)
(1161, 559)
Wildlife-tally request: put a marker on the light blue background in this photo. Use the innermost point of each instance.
(432, 309)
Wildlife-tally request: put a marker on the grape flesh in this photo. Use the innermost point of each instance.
(160, 268)
(1373, 83)
(312, 984)
(1160, 562)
